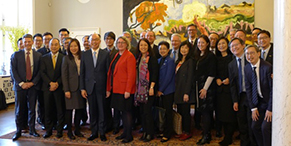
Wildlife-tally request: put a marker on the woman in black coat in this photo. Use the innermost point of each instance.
(147, 77)
(205, 71)
(183, 82)
(224, 105)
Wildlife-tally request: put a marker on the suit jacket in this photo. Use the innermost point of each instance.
(233, 79)
(90, 75)
(156, 51)
(133, 50)
(153, 68)
(167, 76)
(124, 74)
(70, 77)
(183, 81)
(265, 84)
(48, 73)
(18, 69)
(43, 50)
(269, 57)
(112, 53)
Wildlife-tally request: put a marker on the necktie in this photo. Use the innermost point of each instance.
(240, 75)
(95, 58)
(54, 61)
(192, 42)
(28, 67)
(263, 55)
(174, 55)
(254, 87)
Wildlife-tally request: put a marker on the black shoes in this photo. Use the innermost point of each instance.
(92, 137)
(103, 138)
(16, 135)
(33, 133)
(120, 137)
(59, 135)
(79, 134)
(126, 140)
(143, 136)
(148, 138)
(71, 136)
(205, 139)
(115, 131)
(225, 142)
(47, 135)
(165, 139)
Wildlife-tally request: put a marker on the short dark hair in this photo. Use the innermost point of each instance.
(265, 32)
(27, 36)
(256, 28)
(109, 34)
(240, 41)
(20, 39)
(47, 33)
(241, 31)
(192, 25)
(64, 29)
(250, 46)
(164, 43)
(37, 35)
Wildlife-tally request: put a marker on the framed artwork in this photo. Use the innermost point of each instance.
(166, 17)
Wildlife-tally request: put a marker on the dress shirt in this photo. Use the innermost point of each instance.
(56, 56)
(176, 54)
(192, 41)
(212, 50)
(257, 65)
(266, 52)
(243, 71)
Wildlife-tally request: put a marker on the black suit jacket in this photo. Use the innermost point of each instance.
(269, 57)
(48, 73)
(89, 75)
(43, 50)
(112, 53)
(233, 80)
(18, 69)
(156, 51)
(265, 84)
(133, 50)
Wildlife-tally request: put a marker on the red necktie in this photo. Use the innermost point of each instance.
(28, 67)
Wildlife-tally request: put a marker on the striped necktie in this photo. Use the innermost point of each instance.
(254, 87)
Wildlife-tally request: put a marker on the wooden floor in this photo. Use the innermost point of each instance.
(7, 125)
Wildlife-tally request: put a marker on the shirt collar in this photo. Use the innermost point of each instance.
(55, 54)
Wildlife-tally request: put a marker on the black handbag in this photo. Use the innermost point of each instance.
(3, 104)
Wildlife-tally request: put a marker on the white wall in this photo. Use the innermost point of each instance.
(107, 14)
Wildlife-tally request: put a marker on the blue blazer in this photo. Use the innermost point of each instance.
(265, 83)
(167, 76)
(18, 69)
(89, 75)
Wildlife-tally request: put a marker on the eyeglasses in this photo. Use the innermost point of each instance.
(121, 43)
(263, 38)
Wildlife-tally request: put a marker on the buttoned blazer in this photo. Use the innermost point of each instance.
(90, 75)
(124, 75)
(167, 76)
(265, 84)
(18, 69)
(70, 77)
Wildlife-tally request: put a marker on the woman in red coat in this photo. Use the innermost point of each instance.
(121, 81)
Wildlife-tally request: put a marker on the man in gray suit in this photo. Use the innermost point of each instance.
(93, 77)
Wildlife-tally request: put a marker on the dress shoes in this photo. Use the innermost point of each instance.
(92, 137)
(47, 135)
(71, 136)
(115, 131)
(43, 127)
(225, 142)
(59, 135)
(185, 137)
(79, 134)
(103, 138)
(143, 136)
(16, 136)
(160, 135)
(126, 140)
(120, 137)
(148, 138)
(34, 134)
(218, 134)
(205, 139)
(165, 139)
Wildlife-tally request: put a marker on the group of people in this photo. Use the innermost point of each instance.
(228, 81)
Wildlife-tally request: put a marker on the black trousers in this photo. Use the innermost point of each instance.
(25, 99)
(167, 101)
(108, 114)
(96, 102)
(229, 128)
(40, 106)
(77, 119)
(206, 120)
(184, 111)
(197, 117)
(262, 129)
(146, 113)
(85, 113)
(54, 99)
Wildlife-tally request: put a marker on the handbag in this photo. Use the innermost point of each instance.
(177, 122)
(3, 104)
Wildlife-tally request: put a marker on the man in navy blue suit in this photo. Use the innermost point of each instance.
(93, 77)
(259, 93)
(25, 74)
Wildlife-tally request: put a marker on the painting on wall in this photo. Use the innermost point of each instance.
(166, 17)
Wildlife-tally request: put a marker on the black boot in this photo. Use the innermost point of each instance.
(205, 139)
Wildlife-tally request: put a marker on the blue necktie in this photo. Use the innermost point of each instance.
(254, 88)
(240, 75)
(95, 58)
(174, 55)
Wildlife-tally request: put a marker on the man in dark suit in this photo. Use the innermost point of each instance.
(264, 41)
(93, 77)
(51, 65)
(25, 74)
(85, 41)
(176, 42)
(111, 122)
(259, 93)
(37, 41)
(238, 91)
(151, 36)
(65, 43)
(46, 37)
(63, 33)
(132, 48)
